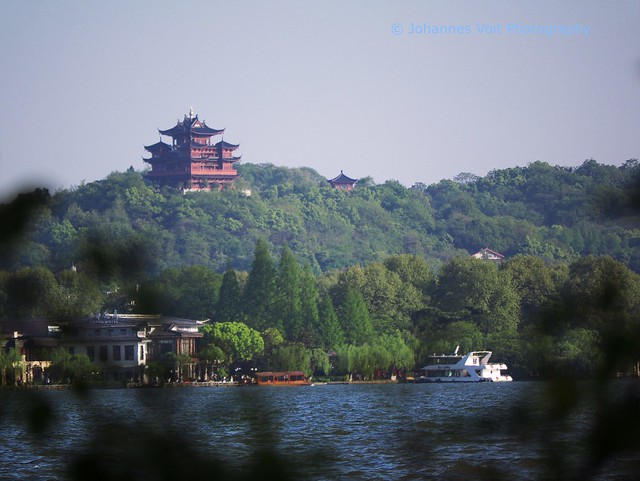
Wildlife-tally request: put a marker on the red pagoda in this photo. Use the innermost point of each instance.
(342, 182)
(191, 161)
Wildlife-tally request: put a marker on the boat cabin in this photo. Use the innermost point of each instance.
(281, 378)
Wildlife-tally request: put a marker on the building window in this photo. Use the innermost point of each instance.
(166, 346)
(96, 332)
(116, 353)
(91, 353)
(123, 332)
(128, 353)
(142, 352)
(104, 353)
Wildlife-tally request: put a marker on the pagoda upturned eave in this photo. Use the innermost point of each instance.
(158, 146)
(181, 129)
(343, 179)
(226, 145)
(206, 131)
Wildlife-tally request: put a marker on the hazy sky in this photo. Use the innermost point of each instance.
(374, 88)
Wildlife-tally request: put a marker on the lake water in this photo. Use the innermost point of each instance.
(325, 432)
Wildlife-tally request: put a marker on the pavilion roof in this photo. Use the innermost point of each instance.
(343, 179)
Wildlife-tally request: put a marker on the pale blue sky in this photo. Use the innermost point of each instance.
(331, 85)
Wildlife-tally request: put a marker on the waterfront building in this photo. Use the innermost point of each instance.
(343, 182)
(34, 339)
(118, 346)
(192, 161)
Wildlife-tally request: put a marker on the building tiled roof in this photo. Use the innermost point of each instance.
(227, 145)
(486, 252)
(157, 147)
(193, 126)
(343, 179)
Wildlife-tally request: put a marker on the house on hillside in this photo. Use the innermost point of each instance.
(487, 254)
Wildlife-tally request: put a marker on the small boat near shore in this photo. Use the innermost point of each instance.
(471, 367)
(282, 378)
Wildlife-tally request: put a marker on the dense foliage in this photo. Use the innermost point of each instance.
(365, 282)
(124, 225)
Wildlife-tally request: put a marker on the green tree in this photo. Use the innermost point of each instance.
(354, 318)
(401, 355)
(229, 306)
(31, 292)
(346, 360)
(537, 283)
(259, 291)
(10, 360)
(78, 295)
(309, 308)
(238, 341)
(329, 328)
(212, 356)
(297, 357)
(602, 294)
(190, 292)
(287, 295)
(65, 365)
(477, 290)
(578, 352)
(412, 270)
(181, 363)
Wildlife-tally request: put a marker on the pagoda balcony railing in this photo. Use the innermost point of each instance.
(209, 170)
(215, 172)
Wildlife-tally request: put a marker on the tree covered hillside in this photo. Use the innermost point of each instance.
(123, 221)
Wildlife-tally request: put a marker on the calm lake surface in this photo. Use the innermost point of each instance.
(324, 432)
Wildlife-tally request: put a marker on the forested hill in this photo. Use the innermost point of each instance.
(555, 213)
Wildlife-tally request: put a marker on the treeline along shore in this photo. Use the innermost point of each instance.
(364, 283)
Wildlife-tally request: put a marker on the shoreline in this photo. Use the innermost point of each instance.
(169, 385)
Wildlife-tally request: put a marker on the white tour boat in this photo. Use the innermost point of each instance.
(472, 367)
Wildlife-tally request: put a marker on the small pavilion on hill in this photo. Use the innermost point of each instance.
(192, 161)
(343, 182)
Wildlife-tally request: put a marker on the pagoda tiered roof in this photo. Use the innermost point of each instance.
(157, 147)
(191, 125)
(226, 145)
